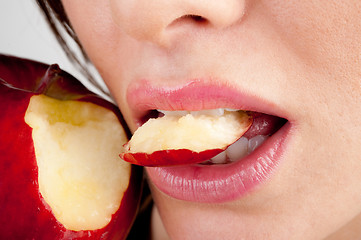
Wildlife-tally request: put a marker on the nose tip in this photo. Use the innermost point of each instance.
(154, 20)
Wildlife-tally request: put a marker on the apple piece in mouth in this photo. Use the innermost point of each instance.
(185, 139)
(60, 174)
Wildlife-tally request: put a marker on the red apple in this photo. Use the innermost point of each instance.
(189, 138)
(60, 173)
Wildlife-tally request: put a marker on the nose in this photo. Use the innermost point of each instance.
(154, 20)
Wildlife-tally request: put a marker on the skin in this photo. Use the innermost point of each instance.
(302, 56)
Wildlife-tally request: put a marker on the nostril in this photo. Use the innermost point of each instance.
(190, 19)
(149, 20)
(196, 18)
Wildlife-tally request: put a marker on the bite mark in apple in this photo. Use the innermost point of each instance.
(76, 144)
(72, 134)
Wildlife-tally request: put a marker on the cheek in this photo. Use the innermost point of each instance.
(324, 37)
(93, 25)
(99, 35)
(108, 48)
(320, 32)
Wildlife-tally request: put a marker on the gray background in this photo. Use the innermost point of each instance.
(24, 33)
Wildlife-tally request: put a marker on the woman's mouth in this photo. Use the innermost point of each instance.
(231, 173)
(214, 136)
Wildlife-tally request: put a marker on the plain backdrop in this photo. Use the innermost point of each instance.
(24, 33)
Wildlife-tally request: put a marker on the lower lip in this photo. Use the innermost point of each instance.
(222, 183)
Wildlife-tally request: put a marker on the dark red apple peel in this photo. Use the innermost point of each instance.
(170, 157)
(24, 214)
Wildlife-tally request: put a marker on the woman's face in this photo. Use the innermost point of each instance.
(297, 60)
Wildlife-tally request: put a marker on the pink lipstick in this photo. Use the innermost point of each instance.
(222, 183)
(210, 182)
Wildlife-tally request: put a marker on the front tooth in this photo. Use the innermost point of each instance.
(220, 158)
(209, 112)
(174, 113)
(255, 142)
(231, 110)
(238, 149)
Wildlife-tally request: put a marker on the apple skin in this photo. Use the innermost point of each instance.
(172, 157)
(24, 213)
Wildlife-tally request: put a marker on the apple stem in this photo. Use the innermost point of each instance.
(51, 75)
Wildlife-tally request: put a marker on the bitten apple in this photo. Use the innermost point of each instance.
(60, 174)
(185, 138)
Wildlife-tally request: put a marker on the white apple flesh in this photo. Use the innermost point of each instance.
(79, 174)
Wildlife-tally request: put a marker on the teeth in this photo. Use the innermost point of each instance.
(255, 142)
(174, 113)
(231, 110)
(220, 158)
(238, 150)
(210, 112)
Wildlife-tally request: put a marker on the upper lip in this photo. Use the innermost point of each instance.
(194, 95)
